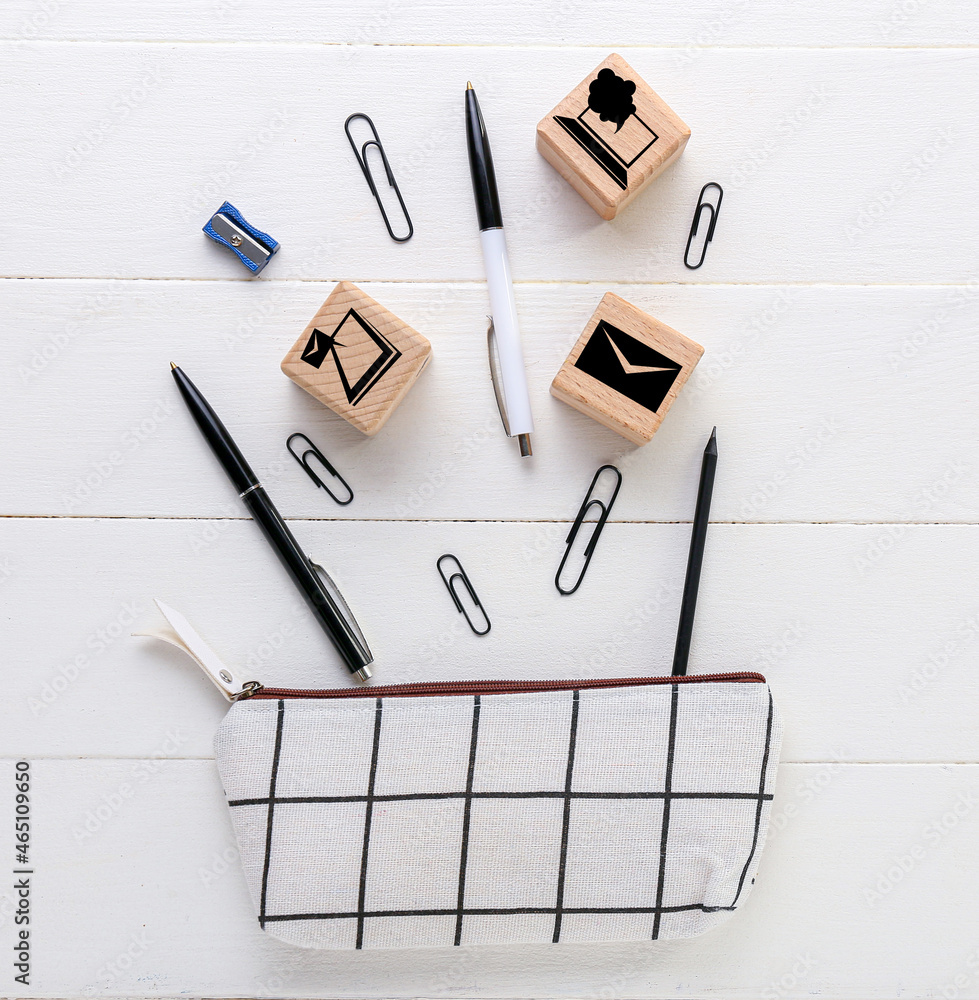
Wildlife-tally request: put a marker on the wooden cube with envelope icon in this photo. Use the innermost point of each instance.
(357, 358)
(626, 369)
(611, 136)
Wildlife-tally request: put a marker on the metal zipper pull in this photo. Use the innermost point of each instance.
(186, 637)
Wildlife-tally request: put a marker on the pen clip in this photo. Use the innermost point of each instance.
(494, 368)
(341, 603)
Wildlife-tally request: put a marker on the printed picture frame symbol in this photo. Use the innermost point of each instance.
(609, 129)
(362, 357)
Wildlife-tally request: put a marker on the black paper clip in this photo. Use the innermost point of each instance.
(449, 582)
(303, 460)
(361, 155)
(605, 507)
(695, 225)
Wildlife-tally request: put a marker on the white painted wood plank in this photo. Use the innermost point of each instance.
(499, 22)
(149, 901)
(839, 165)
(868, 637)
(850, 404)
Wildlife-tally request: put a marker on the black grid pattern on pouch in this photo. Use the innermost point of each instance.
(460, 911)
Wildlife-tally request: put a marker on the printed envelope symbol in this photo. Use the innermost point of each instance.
(318, 347)
(628, 366)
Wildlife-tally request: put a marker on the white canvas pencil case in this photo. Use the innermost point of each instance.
(500, 812)
(495, 812)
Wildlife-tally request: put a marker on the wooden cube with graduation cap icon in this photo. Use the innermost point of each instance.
(626, 369)
(357, 358)
(611, 136)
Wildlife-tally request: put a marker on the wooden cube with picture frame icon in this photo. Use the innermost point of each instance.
(611, 136)
(357, 358)
(626, 369)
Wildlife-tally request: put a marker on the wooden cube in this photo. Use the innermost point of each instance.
(611, 136)
(626, 369)
(357, 358)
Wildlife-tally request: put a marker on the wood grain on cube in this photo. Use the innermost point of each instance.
(626, 369)
(357, 358)
(611, 136)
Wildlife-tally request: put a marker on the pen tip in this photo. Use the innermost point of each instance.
(172, 366)
(469, 86)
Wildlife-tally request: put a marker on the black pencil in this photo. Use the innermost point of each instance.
(695, 560)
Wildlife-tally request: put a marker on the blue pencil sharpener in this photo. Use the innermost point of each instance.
(230, 228)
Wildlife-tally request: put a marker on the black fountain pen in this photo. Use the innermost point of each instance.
(324, 600)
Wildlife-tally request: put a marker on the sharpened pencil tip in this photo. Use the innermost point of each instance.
(711, 448)
(469, 86)
(172, 366)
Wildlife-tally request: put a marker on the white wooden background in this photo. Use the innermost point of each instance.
(839, 309)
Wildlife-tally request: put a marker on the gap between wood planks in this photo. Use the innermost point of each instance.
(598, 47)
(473, 520)
(475, 283)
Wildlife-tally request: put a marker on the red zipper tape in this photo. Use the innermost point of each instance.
(497, 687)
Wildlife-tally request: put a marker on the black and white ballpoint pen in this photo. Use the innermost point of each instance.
(510, 375)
